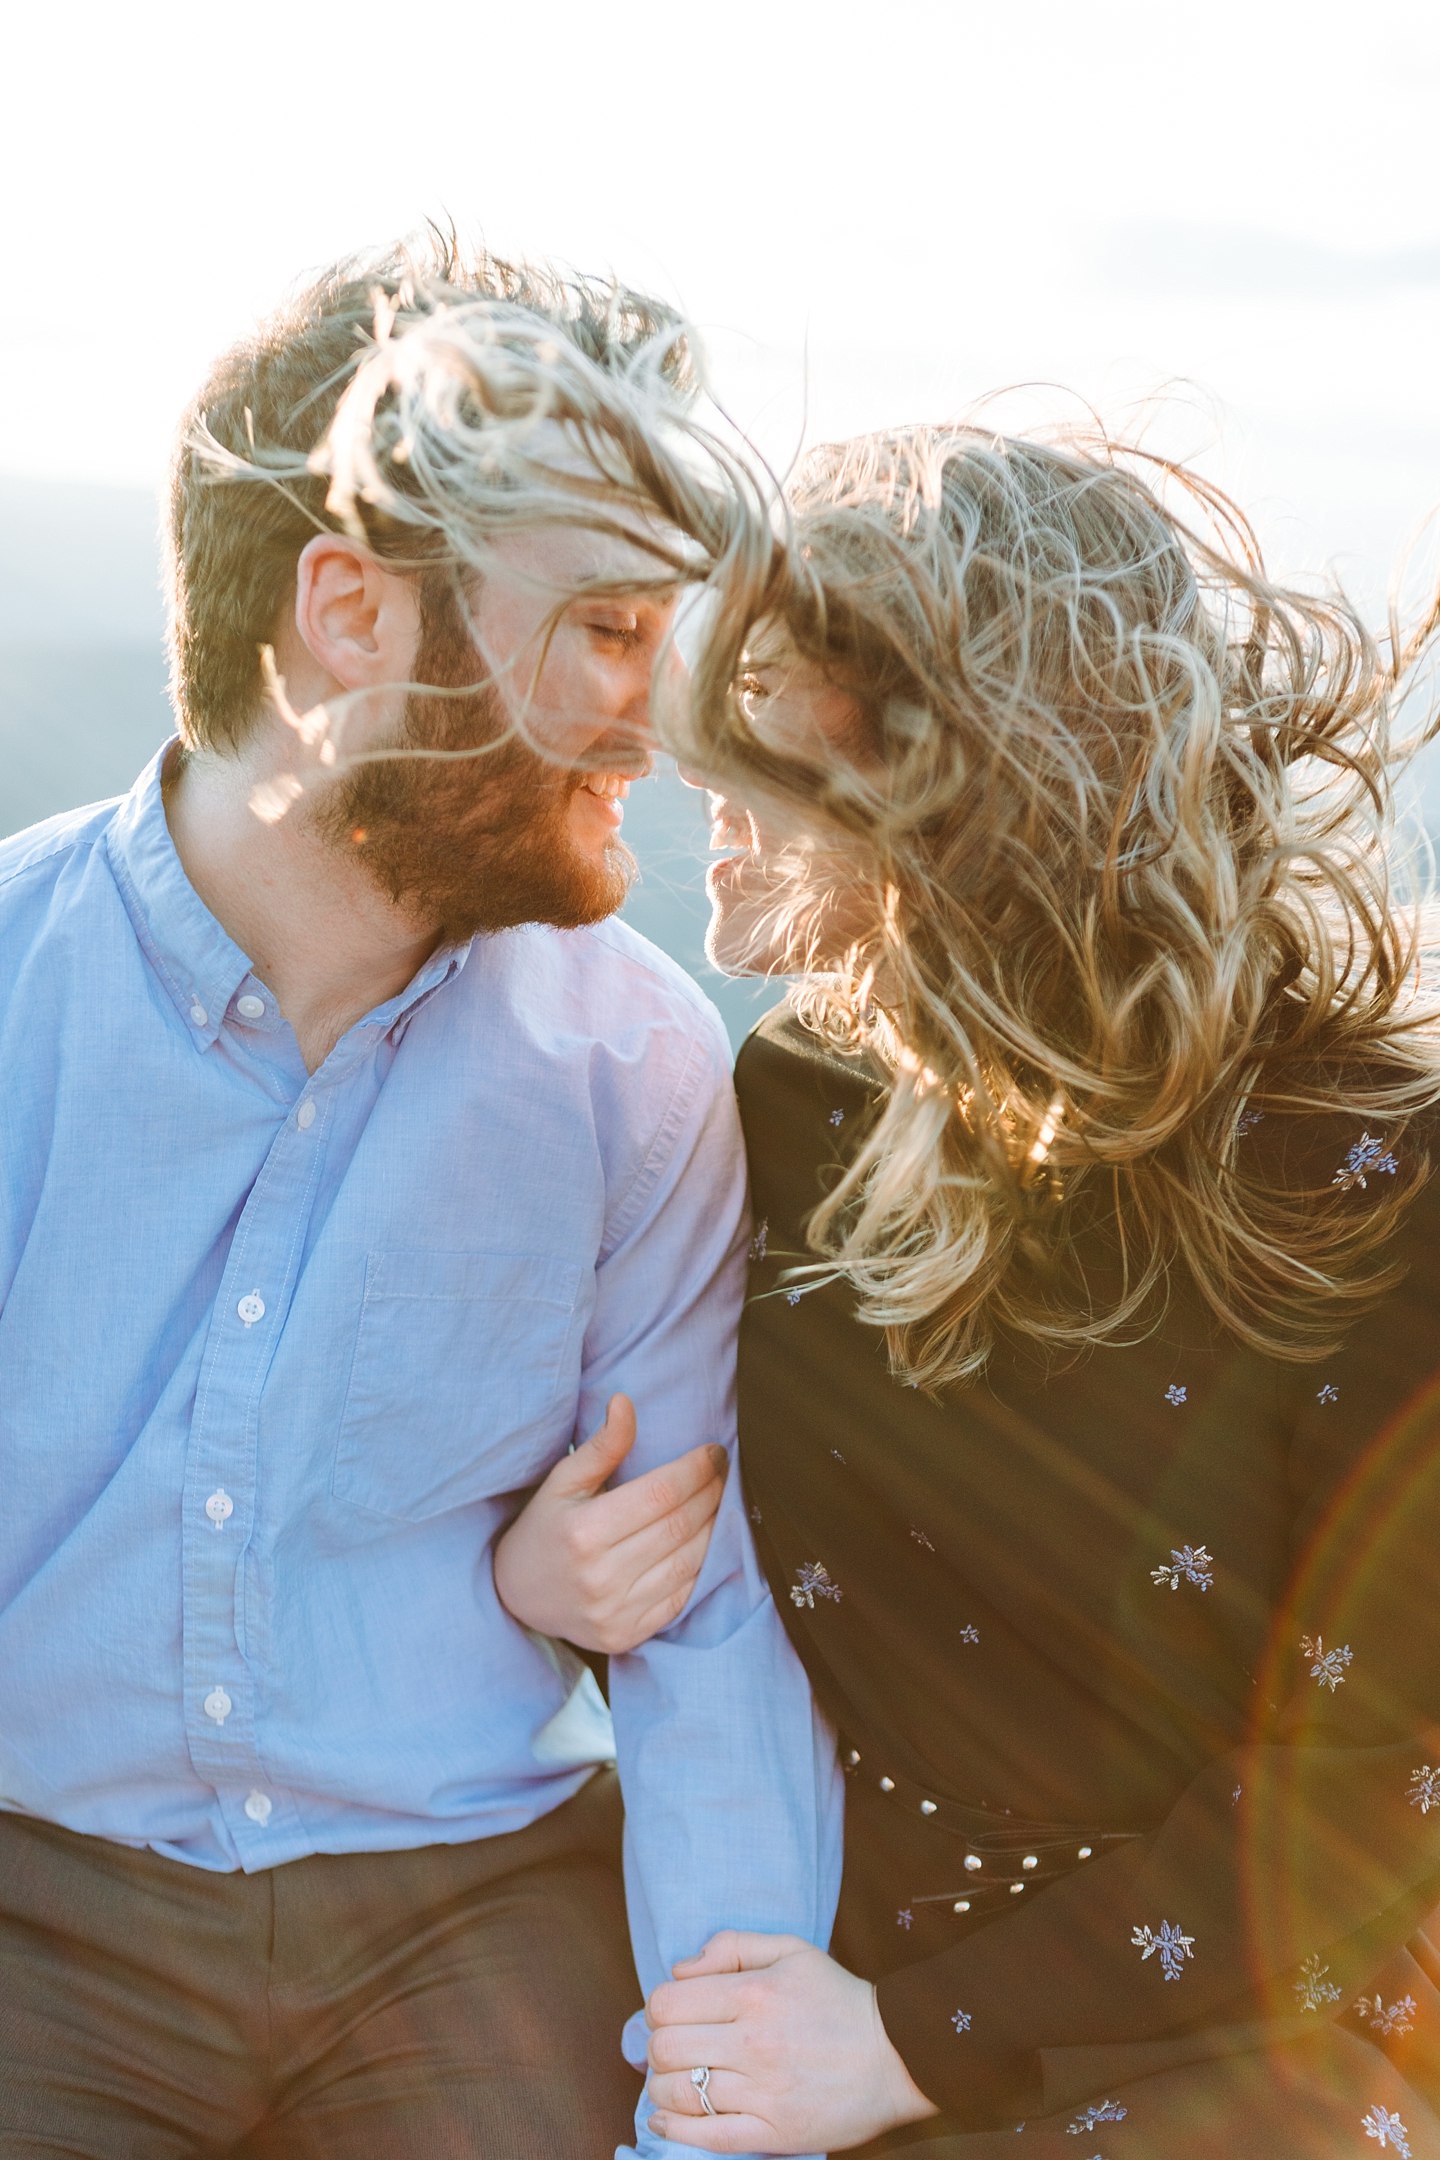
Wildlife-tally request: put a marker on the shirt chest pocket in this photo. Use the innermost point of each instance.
(463, 1380)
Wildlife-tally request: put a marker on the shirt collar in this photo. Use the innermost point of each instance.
(200, 965)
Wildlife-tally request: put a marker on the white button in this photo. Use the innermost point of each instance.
(250, 1008)
(1030, 1860)
(927, 1807)
(251, 1308)
(973, 1861)
(218, 1705)
(198, 1014)
(962, 1904)
(219, 1507)
(305, 1115)
(258, 1806)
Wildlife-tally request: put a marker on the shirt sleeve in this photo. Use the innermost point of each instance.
(733, 1797)
(1293, 1867)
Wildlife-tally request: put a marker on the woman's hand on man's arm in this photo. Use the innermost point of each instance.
(798, 2057)
(607, 1570)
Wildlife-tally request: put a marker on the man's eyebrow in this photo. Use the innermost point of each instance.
(594, 591)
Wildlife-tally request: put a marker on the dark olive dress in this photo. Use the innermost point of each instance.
(1136, 1672)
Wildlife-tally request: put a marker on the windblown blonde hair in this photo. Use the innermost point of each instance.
(1125, 809)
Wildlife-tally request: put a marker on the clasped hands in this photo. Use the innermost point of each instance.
(798, 2057)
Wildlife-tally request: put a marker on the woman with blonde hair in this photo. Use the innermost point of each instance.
(1090, 1376)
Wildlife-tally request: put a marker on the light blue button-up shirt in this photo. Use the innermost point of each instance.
(279, 1354)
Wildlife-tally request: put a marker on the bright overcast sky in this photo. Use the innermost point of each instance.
(884, 209)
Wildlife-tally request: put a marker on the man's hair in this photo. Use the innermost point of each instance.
(264, 411)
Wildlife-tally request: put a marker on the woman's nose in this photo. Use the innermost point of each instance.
(690, 779)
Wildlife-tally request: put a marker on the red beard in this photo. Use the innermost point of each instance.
(470, 844)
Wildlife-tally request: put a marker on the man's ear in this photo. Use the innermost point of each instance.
(359, 620)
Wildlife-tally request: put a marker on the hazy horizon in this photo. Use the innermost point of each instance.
(1223, 232)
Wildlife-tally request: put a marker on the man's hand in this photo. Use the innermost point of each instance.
(607, 1570)
(799, 2061)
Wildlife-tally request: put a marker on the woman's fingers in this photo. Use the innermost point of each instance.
(675, 2093)
(627, 1611)
(606, 1569)
(673, 1572)
(738, 1950)
(718, 2133)
(644, 1503)
(704, 2035)
(631, 1620)
(659, 1544)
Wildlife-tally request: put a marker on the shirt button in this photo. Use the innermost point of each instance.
(250, 1008)
(198, 1014)
(218, 1705)
(219, 1507)
(305, 1115)
(257, 1807)
(251, 1308)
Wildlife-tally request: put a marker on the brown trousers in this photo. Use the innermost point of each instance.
(439, 2004)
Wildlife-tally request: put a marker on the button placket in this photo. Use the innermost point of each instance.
(220, 1515)
(217, 1704)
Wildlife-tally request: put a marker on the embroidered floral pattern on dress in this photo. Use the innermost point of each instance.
(1399, 2018)
(1425, 1788)
(921, 1539)
(812, 1581)
(1101, 2111)
(1368, 1158)
(969, 1634)
(758, 1242)
(1191, 1564)
(1246, 1122)
(961, 2021)
(837, 1117)
(1329, 1665)
(792, 1297)
(1386, 2129)
(1174, 1394)
(1313, 1989)
(1328, 1393)
(905, 1920)
(1167, 1940)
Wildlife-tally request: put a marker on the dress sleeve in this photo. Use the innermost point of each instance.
(1297, 1863)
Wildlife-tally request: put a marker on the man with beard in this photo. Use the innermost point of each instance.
(330, 1218)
